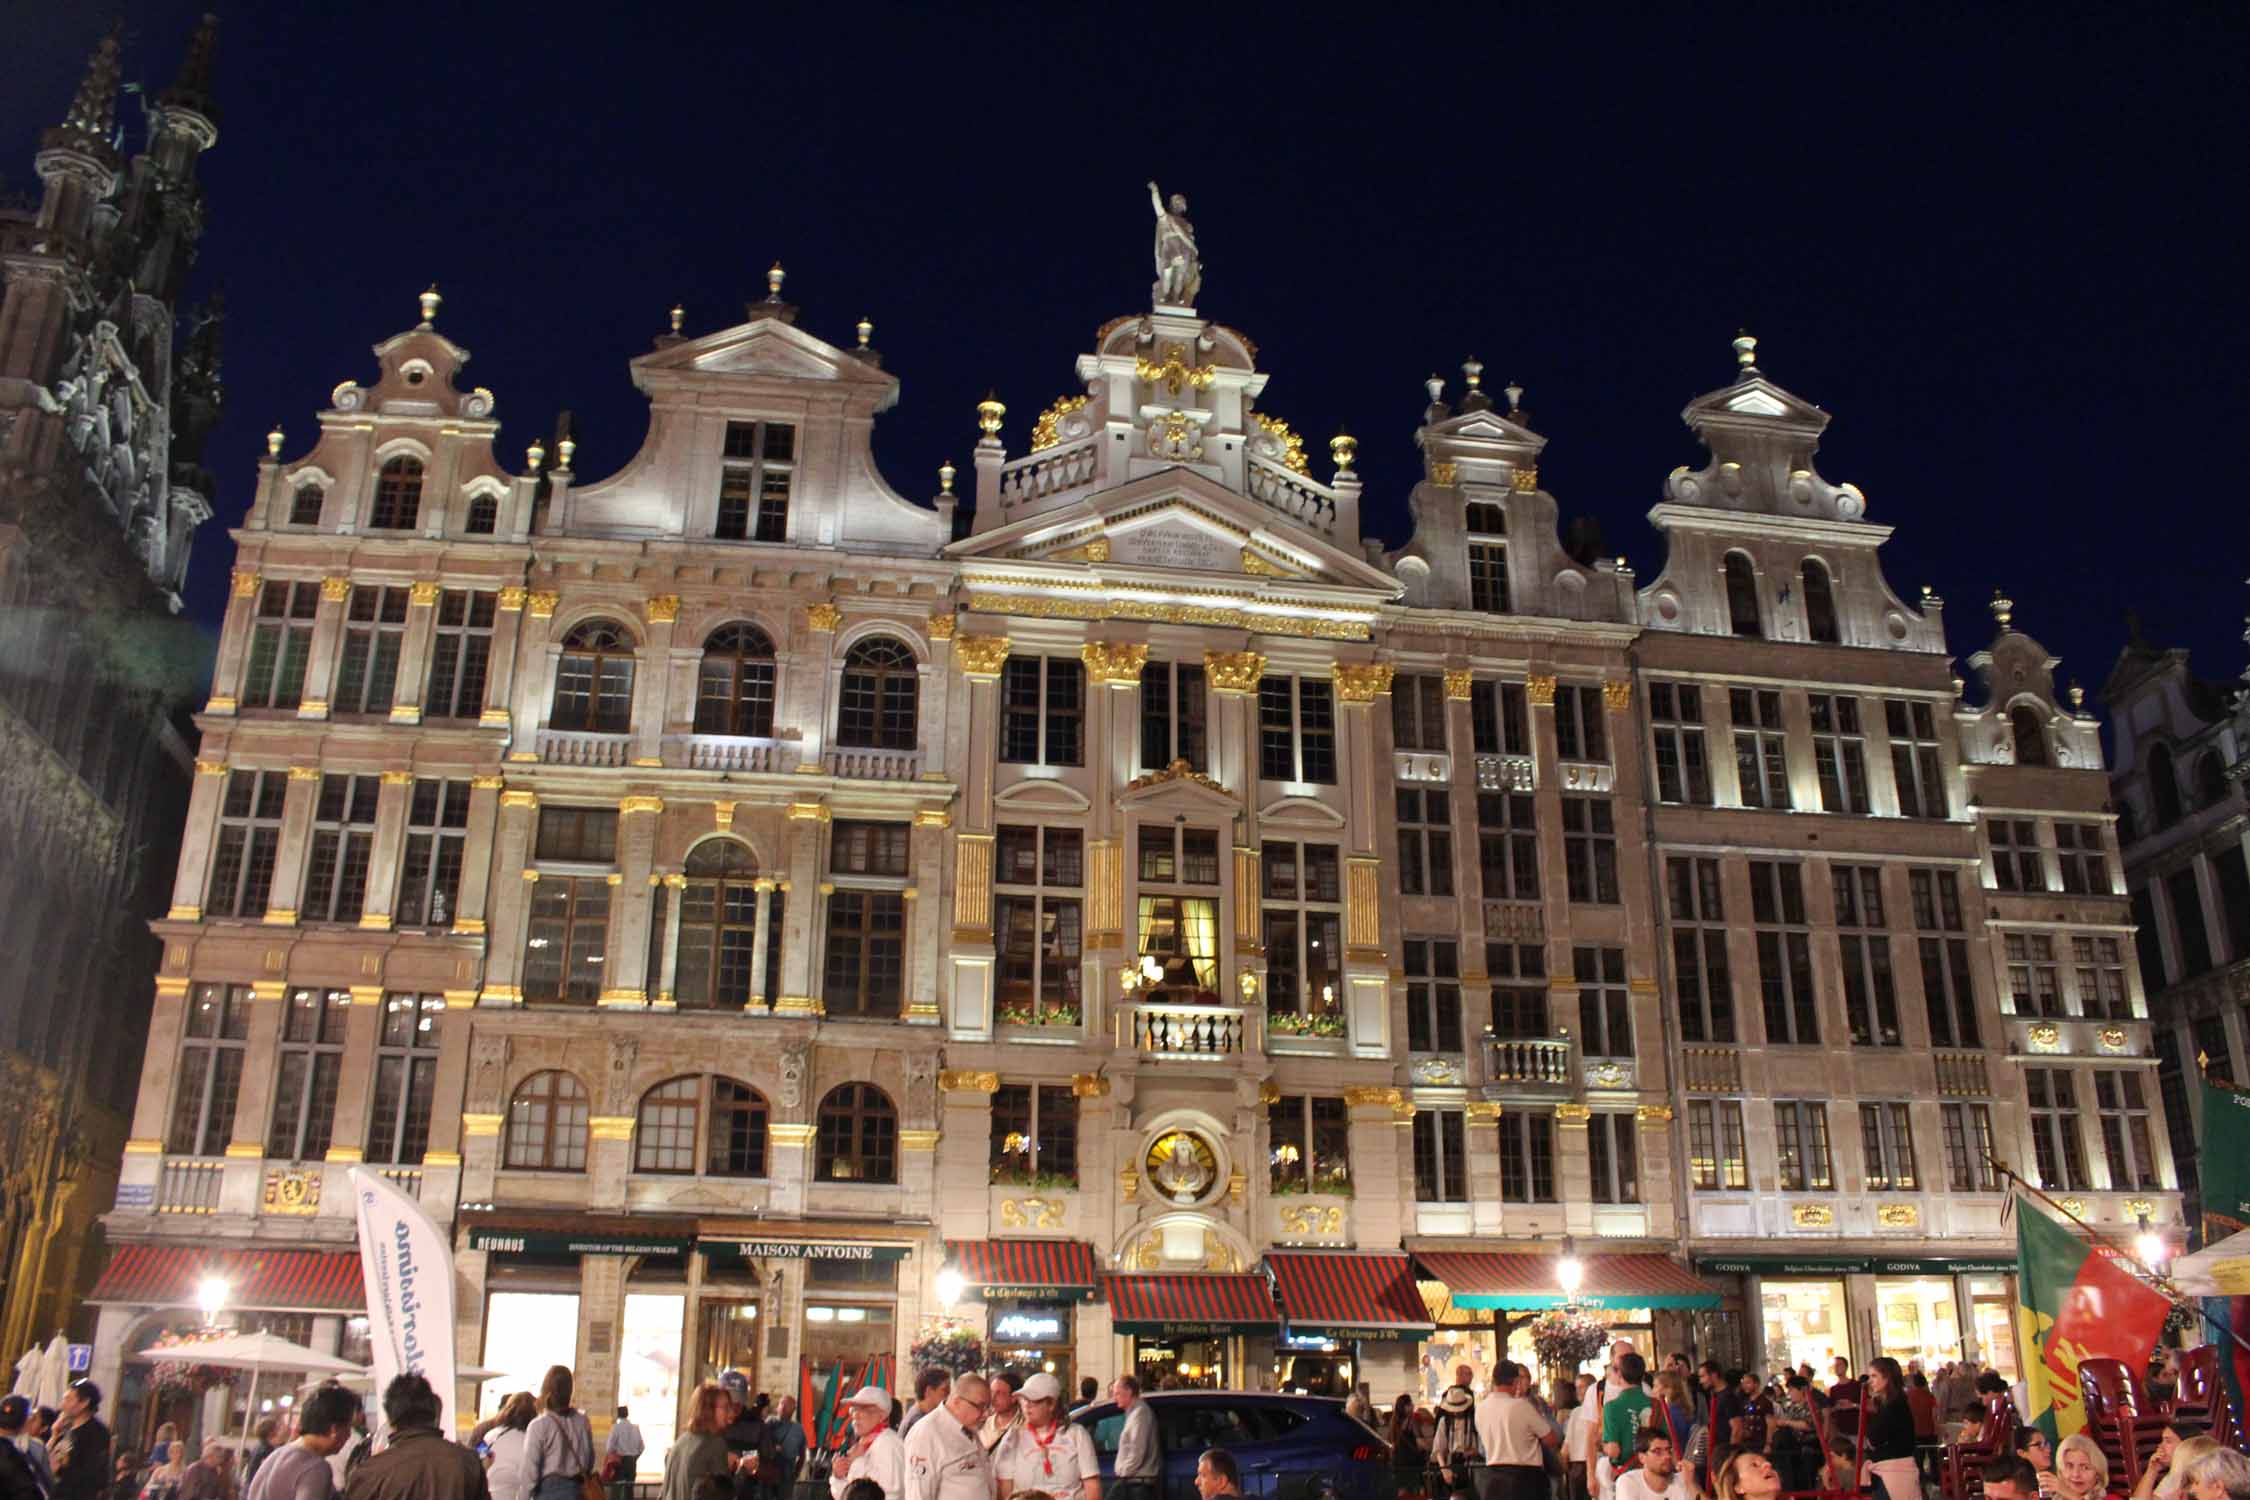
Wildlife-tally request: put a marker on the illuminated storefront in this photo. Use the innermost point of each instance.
(1813, 1310)
(1031, 1290)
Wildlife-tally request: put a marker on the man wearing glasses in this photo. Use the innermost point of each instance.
(945, 1460)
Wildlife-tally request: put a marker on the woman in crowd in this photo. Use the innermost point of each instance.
(1746, 1475)
(505, 1471)
(165, 1474)
(2081, 1472)
(558, 1446)
(1675, 1411)
(699, 1453)
(2221, 1475)
(129, 1477)
(1890, 1431)
(1408, 1456)
(1795, 1445)
(2036, 1449)
(2167, 1468)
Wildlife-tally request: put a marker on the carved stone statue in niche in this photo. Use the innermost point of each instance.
(1179, 265)
(795, 1059)
(624, 1055)
(921, 1085)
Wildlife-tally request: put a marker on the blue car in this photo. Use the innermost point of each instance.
(1290, 1447)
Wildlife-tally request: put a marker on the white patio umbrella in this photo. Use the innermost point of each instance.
(255, 1352)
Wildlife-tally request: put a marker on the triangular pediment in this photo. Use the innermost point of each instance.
(1756, 401)
(1179, 787)
(769, 347)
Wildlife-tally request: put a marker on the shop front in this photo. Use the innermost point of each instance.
(1191, 1331)
(1813, 1310)
(1031, 1291)
(1644, 1299)
(1347, 1317)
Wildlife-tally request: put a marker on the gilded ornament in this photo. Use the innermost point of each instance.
(519, 799)
(1656, 1114)
(304, 773)
(2046, 1035)
(967, 1081)
(1182, 1165)
(2075, 1207)
(1220, 617)
(808, 812)
(917, 1140)
(1444, 471)
(487, 783)
(512, 596)
(1572, 1114)
(245, 583)
(2113, 1038)
(610, 1127)
(1369, 1095)
(335, 590)
(291, 1191)
(1459, 685)
(1087, 1085)
(1484, 1110)
(2139, 1208)
(1539, 692)
(1178, 770)
(1044, 431)
(398, 778)
(1525, 480)
(933, 817)
(1269, 1092)
(1174, 374)
(210, 768)
(823, 617)
(941, 627)
(722, 816)
(1292, 446)
(1617, 695)
(1117, 663)
(1256, 564)
(980, 655)
(1032, 1213)
(1234, 671)
(1312, 1218)
(1128, 1184)
(424, 593)
(1812, 1216)
(626, 807)
(542, 603)
(1362, 683)
(663, 609)
(1898, 1215)
(221, 703)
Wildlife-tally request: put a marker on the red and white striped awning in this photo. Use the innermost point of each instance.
(1186, 1306)
(267, 1280)
(1025, 1268)
(1347, 1293)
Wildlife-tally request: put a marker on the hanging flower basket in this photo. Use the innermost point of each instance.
(948, 1344)
(170, 1379)
(1565, 1339)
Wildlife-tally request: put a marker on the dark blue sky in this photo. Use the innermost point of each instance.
(2001, 249)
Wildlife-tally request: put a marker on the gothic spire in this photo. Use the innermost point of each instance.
(92, 117)
(192, 88)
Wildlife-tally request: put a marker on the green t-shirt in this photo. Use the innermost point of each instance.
(1621, 1417)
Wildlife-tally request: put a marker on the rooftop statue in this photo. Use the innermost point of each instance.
(1179, 268)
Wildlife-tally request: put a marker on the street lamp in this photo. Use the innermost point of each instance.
(1570, 1272)
(949, 1286)
(2152, 1247)
(210, 1296)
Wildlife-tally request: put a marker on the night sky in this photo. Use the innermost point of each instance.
(2002, 251)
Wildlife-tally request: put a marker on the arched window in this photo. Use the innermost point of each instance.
(881, 689)
(715, 1121)
(2210, 779)
(398, 496)
(857, 1137)
(1742, 596)
(2163, 786)
(547, 1124)
(594, 679)
(717, 966)
(304, 506)
(484, 516)
(734, 691)
(1820, 604)
(2030, 736)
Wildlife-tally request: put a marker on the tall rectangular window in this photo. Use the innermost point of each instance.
(1785, 978)
(1172, 715)
(567, 939)
(2215, 1052)
(1433, 995)
(1947, 990)
(280, 645)
(1914, 758)
(1441, 1157)
(1179, 929)
(1488, 559)
(1839, 754)
(1590, 850)
(1718, 1156)
(1304, 927)
(1605, 1003)
(249, 842)
(2231, 871)
(1507, 846)
(1037, 924)
(754, 480)
(2127, 1142)
(2179, 1120)
(1870, 996)
(1035, 1136)
(1499, 718)
(1042, 711)
(1700, 976)
(367, 665)
(2100, 962)
(1886, 1139)
(2034, 982)
(2015, 854)
(864, 972)
(437, 834)
(460, 654)
(1761, 748)
(406, 1063)
(1579, 730)
(1310, 1144)
(305, 1075)
(2084, 864)
(217, 1027)
(1527, 1157)
(1610, 1151)
(1425, 842)
(2186, 900)
(2055, 1143)
(1800, 1131)
(1519, 990)
(1968, 1148)
(1296, 730)
(343, 846)
(1418, 712)
(1683, 766)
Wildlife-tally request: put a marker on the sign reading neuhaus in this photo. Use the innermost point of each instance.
(554, 1242)
(800, 1250)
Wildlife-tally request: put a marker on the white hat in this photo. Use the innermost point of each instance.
(1042, 1387)
(871, 1395)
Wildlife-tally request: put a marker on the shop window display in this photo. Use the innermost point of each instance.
(1916, 1319)
(1807, 1322)
(648, 1374)
(524, 1334)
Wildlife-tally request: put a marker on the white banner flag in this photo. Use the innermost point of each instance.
(408, 1267)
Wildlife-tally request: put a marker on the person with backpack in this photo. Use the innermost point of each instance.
(558, 1447)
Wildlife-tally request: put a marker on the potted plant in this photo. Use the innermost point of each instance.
(950, 1344)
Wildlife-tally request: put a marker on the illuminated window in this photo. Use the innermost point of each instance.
(856, 1137)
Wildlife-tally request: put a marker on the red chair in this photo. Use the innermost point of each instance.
(1961, 1465)
(2201, 1399)
(2120, 1419)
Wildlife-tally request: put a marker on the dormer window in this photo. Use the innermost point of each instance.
(484, 516)
(754, 484)
(1742, 596)
(304, 506)
(1488, 559)
(1820, 605)
(398, 496)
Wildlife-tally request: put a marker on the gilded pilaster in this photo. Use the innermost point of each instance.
(470, 902)
(390, 846)
(296, 835)
(501, 670)
(204, 800)
(327, 636)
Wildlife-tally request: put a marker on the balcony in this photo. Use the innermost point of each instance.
(1711, 1070)
(579, 747)
(407, 1180)
(1962, 1075)
(190, 1185)
(1171, 1031)
(728, 752)
(1529, 1067)
(872, 765)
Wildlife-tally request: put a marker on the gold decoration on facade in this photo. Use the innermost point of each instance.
(1572, 1114)
(1149, 1255)
(610, 1127)
(1372, 1094)
(1256, 564)
(1178, 770)
(487, 783)
(808, 812)
(210, 768)
(917, 1140)
(627, 806)
(1363, 923)
(980, 655)
(1292, 446)
(1617, 695)
(542, 603)
(722, 816)
(1045, 607)
(1043, 430)
(1089, 1086)
(2140, 1208)
(220, 703)
(424, 593)
(1032, 1213)
(823, 617)
(1362, 683)
(941, 627)
(519, 798)
(1898, 1215)
(1269, 1092)
(1539, 692)
(1312, 1218)
(246, 583)
(972, 887)
(791, 1134)
(290, 1190)
(1105, 893)
(663, 609)
(1656, 1114)
(1483, 1110)
(1095, 551)
(1128, 1184)
(967, 1081)
(304, 773)
(613, 998)
(1812, 1216)
(1115, 663)
(1234, 671)
(512, 596)
(1444, 472)
(481, 1125)
(1459, 685)
(1181, 1165)
(313, 708)
(1525, 480)
(933, 817)
(335, 589)
(2046, 1035)
(1175, 374)
(281, 916)
(2112, 1038)
(2075, 1207)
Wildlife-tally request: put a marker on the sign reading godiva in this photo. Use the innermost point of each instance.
(1846, 1265)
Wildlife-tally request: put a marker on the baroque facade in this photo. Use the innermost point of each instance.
(764, 915)
(108, 387)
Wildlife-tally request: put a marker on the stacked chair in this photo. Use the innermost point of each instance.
(1961, 1470)
(2121, 1419)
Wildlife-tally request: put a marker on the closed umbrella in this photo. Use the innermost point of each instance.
(255, 1352)
(54, 1371)
(27, 1375)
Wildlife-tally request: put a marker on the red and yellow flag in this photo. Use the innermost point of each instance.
(2074, 1302)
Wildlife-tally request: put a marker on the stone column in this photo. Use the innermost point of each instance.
(638, 819)
(790, 1146)
(389, 850)
(807, 676)
(355, 1094)
(328, 633)
(469, 1268)
(152, 1106)
(414, 653)
(500, 664)
(943, 750)
(479, 851)
(532, 672)
(1483, 1152)
(609, 1157)
(1382, 1145)
(601, 1318)
(205, 799)
(509, 910)
(971, 951)
(246, 1150)
(652, 681)
(1366, 960)
(667, 977)
(296, 836)
(1574, 1173)
(963, 1161)
(926, 915)
(234, 642)
(1554, 897)
(806, 913)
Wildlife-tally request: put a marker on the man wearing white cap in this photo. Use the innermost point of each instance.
(1048, 1452)
(944, 1458)
(875, 1451)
